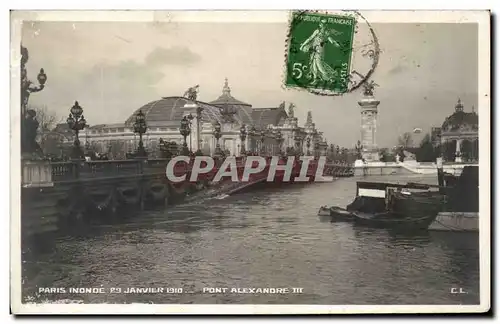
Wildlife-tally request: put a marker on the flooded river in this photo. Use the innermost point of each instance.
(266, 238)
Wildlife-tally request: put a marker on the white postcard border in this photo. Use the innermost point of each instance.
(482, 18)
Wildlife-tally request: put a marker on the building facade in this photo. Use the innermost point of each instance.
(459, 136)
(255, 130)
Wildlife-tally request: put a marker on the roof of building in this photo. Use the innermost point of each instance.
(230, 104)
(460, 120)
(103, 126)
(267, 116)
(170, 110)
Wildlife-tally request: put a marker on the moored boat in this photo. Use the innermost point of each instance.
(390, 205)
(449, 206)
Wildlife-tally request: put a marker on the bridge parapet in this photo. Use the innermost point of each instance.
(74, 170)
(36, 174)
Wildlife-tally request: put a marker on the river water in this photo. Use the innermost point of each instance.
(266, 238)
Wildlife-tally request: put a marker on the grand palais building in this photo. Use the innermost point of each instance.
(163, 119)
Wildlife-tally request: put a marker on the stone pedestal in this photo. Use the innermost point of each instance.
(36, 174)
(369, 111)
(192, 108)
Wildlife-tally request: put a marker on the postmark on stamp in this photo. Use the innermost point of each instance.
(329, 54)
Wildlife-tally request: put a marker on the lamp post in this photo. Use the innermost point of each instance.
(279, 139)
(297, 140)
(217, 135)
(29, 125)
(185, 130)
(243, 137)
(140, 128)
(190, 118)
(198, 121)
(315, 140)
(87, 143)
(262, 139)
(308, 145)
(252, 133)
(76, 122)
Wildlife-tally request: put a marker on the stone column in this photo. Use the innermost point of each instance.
(191, 108)
(458, 157)
(247, 141)
(369, 111)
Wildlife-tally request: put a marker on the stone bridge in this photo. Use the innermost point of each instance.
(57, 195)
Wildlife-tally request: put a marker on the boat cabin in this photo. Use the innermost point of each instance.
(375, 197)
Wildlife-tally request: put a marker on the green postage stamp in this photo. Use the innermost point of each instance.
(319, 52)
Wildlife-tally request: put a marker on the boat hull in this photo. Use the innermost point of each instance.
(391, 221)
(416, 205)
(456, 222)
(341, 215)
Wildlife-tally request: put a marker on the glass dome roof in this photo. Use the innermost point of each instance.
(170, 110)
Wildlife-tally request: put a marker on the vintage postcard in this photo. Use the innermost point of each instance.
(250, 162)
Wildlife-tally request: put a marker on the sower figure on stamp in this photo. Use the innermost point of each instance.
(319, 70)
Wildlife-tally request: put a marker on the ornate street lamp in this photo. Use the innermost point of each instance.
(279, 139)
(27, 86)
(217, 135)
(29, 126)
(308, 145)
(243, 137)
(198, 121)
(297, 138)
(252, 133)
(315, 136)
(140, 127)
(190, 118)
(262, 139)
(87, 143)
(76, 122)
(185, 130)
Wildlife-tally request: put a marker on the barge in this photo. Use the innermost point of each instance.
(452, 205)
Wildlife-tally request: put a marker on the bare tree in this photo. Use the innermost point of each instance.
(47, 122)
(47, 119)
(405, 140)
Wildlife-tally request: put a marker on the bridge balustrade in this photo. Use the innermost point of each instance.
(73, 170)
(95, 169)
(63, 170)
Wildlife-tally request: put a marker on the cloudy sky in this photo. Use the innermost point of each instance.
(114, 68)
